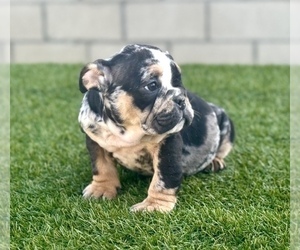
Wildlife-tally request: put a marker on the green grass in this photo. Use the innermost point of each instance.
(4, 157)
(243, 207)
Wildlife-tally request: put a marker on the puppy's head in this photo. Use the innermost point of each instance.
(138, 87)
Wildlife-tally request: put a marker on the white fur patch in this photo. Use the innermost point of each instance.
(165, 63)
(86, 116)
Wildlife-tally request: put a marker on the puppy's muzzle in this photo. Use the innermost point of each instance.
(184, 105)
(173, 112)
(180, 101)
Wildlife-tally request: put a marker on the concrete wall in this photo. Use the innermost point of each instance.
(203, 31)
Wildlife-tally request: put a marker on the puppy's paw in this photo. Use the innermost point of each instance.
(215, 166)
(98, 190)
(150, 205)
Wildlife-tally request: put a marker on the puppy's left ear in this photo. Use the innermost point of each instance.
(93, 75)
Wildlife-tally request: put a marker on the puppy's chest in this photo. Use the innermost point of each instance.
(127, 148)
(134, 159)
(134, 156)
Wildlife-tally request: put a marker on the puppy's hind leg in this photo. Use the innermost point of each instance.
(227, 135)
(105, 181)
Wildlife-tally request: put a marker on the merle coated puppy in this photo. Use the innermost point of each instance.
(137, 113)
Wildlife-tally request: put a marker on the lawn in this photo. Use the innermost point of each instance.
(244, 207)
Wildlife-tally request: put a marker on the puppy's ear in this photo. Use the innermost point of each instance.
(93, 75)
(95, 101)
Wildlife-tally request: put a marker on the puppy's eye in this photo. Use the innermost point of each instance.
(152, 86)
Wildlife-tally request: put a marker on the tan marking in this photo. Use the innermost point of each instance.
(106, 182)
(129, 113)
(159, 198)
(156, 70)
(218, 163)
(224, 149)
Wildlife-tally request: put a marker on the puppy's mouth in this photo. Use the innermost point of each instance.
(165, 120)
(171, 122)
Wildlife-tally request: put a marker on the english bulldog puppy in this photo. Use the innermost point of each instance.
(136, 112)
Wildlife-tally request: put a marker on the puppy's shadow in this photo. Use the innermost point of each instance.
(132, 182)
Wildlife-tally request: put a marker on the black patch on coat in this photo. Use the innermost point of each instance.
(176, 76)
(185, 152)
(195, 134)
(169, 161)
(95, 101)
(94, 151)
(114, 116)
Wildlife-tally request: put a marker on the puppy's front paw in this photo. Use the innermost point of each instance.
(150, 205)
(103, 189)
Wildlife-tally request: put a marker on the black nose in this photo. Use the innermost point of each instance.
(180, 101)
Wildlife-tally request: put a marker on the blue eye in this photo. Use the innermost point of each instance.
(152, 86)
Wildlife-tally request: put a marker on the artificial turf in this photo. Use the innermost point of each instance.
(244, 207)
